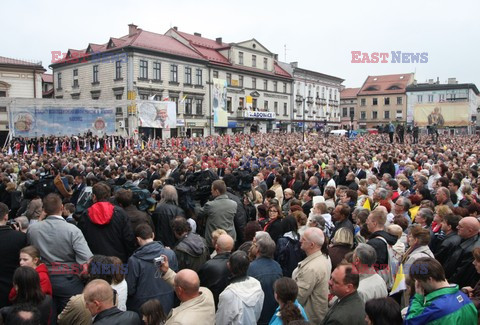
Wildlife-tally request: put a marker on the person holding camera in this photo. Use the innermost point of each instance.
(143, 278)
(11, 242)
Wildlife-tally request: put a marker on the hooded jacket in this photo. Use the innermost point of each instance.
(108, 231)
(241, 302)
(144, 279)
(192, 252)
(380, 246)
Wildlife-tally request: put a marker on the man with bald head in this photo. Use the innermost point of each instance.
(100, 301)
(196, 303)
(458, 266)
(214, 273)
(312, 275)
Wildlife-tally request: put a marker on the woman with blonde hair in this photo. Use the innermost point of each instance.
(342, 244)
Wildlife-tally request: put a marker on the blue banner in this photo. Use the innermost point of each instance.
(37, 121)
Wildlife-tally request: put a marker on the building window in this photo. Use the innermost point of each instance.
(345, 112)
(188, 106)
(386, 115)
(188, 75)
(118, 70)
(399, 101)
(265, 84)
(215, 73)
(275, 86)
(254, 104)
(399, 114)
(284, 87)
(352, 112)
(157, 71)
(143, 96)
(374, 115)
(143, 69)
(198, 108)
(240, 58)
(254, 83)
(387, 100)
(241, 102)
(375, 101)
(95, 74)
(75, 83)
(240, 81)
(323, 92)
(285, 109)
(265, 63)
(118, 97)
(330, 94)
(265, 105)
(363, 102)
(363, 115)
(229, 79)
(59, 80)
(254, 61)
(430, 98)
(229, 105)
(441, 97)
(173, 73)
(199, 77)
(419, 98)
(335, 95)
(275, 107)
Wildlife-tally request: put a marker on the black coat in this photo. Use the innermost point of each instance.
(108, 231)
(116, 316)
(45, 308)
(240, 219)
(214, 275)
(446, 247)
(11, 241)
(387, 167)
(380, 246)
(458, 266)
(275, 229)
(162, 217)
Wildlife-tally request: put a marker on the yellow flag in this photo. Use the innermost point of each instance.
(399, 283)
(366, 205)
(143, 145)
(413, 212)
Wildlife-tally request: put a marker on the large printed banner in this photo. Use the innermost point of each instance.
(40, 120)
(154, 114)
(441, 114)
(219, 103)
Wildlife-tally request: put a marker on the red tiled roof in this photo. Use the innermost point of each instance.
(48, 92)
(349, 93)
(202, 41)
(162, 43)
(47, 77)
(4, 60)
(375, 85)
(279, 71)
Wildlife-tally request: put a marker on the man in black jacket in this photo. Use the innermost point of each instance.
(164, 214)
(379, 238)
(106, 227)
(451, 239)
(100, 301)
(387, 166)
(11, 241)
(214, 274)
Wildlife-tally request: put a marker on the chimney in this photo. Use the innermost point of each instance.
(218, 40)
(197, 34)
(132, 29)
(452, 81)
(438, 80)
(430, 81)
(175, 27)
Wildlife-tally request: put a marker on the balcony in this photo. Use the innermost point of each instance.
(309, 100)
(299, 99)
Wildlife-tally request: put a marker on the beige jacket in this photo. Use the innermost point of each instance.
(75, 312)
(198, 311)
(312, 276)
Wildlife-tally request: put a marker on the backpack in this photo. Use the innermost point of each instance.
(185, 197)
(142, 196)
(388, 274)
(289, 254)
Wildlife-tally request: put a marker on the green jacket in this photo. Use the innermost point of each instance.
(443, 306)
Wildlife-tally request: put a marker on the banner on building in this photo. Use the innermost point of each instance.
(219, 103)
(441, 114)
(39, 120)
(155, 114)
(249, 104)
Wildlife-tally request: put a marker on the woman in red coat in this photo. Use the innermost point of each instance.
(30, 256)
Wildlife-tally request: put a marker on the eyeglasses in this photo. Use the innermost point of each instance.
(273, 211)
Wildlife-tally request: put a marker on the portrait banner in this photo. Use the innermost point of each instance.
(441, 114)
(155, 114)
(219, 103)
(35, 121)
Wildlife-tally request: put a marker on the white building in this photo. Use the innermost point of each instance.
(316, 98)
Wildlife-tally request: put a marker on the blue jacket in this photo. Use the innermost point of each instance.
(267, 271)
(276, 316)
(145, 280)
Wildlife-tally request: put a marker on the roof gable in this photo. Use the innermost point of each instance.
(254, 45)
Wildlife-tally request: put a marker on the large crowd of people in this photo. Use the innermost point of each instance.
(240, 229)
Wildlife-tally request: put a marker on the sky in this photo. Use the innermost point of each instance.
(320, 35)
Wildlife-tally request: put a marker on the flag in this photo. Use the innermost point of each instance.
(413, 212)
(25, 150)
(183, 99)
(97, 146)
(113, 143)
(366, 205)
(126, 143)
(10, 151)
(143, 146)
(399, 283)
(165, 99)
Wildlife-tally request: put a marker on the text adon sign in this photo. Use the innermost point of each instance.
(260, 115)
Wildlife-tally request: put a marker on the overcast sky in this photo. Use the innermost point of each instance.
(320, 34)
